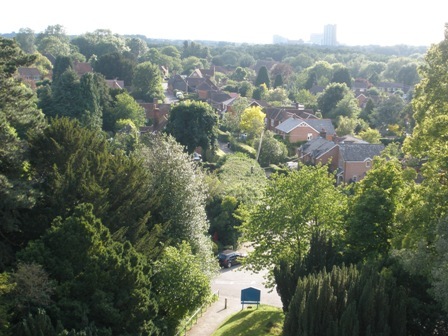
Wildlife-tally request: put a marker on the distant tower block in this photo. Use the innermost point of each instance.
(330, 35)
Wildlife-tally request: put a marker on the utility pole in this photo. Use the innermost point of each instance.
(259, 145)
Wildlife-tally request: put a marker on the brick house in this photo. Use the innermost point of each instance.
(349, 157)
(298, 129)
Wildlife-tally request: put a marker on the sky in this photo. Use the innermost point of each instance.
(380, 22)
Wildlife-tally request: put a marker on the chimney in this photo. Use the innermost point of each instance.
(323, 133)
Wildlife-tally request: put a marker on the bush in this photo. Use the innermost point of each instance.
(243, 148)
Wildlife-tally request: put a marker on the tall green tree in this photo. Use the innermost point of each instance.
(271, 150)
(293, 207)
(329, 99)
(193, 124)
(342, 75)
(347, 301)
(98, 279)
(115, 66)
(19, 117)
(147, 82)
(76, 165)
(181, 285)
(26, 39)
(372, 210)
(125, 107)
(263, 77)
(178, 196)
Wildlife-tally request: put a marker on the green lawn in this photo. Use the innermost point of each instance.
(266, 320)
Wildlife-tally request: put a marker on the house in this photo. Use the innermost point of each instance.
(82, 68)
(350, 157)
(298, 129)
(361, 85)
(355, 160)
(29, 74)
(193, 83)
(276, 115)
(220, 100)
(157, 113)
(115, 83)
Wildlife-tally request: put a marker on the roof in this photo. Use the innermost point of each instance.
(29, 72)
(82, 68)
(317, 147)
(349, 139)
(115, 83)
(318, 124)
(359, 151)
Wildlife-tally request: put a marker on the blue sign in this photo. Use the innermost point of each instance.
(250, 295)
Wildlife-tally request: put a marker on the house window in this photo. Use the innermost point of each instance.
(272, 122)
(368, 164)
(355, 178)
(310, 136)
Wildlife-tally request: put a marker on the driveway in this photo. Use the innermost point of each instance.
(229, 284)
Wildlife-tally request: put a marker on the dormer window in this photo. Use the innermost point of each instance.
(368, 163)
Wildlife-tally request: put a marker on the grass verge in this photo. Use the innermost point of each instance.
(264, 321)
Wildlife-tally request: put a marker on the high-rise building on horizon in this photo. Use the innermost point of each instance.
(329, 38)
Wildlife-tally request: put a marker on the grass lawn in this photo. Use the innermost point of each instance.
(266, 320)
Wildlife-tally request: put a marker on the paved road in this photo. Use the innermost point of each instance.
(229, 283)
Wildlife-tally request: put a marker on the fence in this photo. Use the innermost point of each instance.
(198, 313)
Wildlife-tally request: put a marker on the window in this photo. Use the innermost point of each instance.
(368, 162)
(355, 178)
(310, 136)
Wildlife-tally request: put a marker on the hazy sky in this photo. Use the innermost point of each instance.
(381, 22)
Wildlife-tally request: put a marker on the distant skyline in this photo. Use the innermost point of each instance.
(382, 22)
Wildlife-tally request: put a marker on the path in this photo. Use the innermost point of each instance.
(229, 283)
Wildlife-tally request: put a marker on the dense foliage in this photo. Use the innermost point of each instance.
(108, 231)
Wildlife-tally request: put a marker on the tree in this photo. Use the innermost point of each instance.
(77, 165)
(61, 64)
(98, 279)
(193, 124)
(370, 135)
(246, 89)
(272, 150)
(329, 99)
(232, 118)
(347, 301)
(181, 284)
(178, 196)
(263, 77)
(321, 71)
(19, 117)
(372, 209)
(99, 42)
(125, 107)
(278, 81)
(293, 207)
(429, 105)
(347, 107)
(137, 47)
(252, 121)
(342, 75)
(239, 74)
(26, 39)
(115, 66)
(147, 82)
(387, 113)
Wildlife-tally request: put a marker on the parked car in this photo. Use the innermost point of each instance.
(228, 258)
